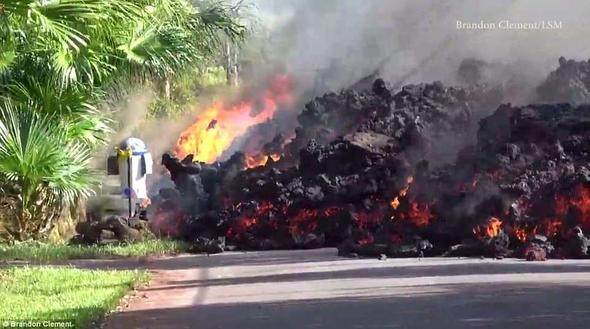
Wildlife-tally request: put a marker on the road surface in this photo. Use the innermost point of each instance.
(316, 289)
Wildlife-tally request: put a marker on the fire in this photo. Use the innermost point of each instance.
(217, 126)
(418, 214)
(241, 226)
(490, 230)
(366, 219)
(253, 161)
(520, 233)
(402, 193)
(576, 204)
(247, 221)
(549, 227)
(581, 202)
(306, 220)
(267, 214)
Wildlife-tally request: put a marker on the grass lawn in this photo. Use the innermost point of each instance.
(39, 251)
(62, 293)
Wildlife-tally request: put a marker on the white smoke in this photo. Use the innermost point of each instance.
(416, 41)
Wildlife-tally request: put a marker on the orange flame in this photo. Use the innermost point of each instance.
(419, 214)
(253, 161)
(402, 193)
(307, 220)
(549, 227)
(490, 230)
(241, 226)
(217, 126)
(520, 233)
(576, 203)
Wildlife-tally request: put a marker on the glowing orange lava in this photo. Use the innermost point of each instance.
(217, 126)
(307, 220)
(521, 234)
(253, 161)
(418, 214)
(490, 230)
(581, 202)
(576, 204)
(549, 227)
(366, 219)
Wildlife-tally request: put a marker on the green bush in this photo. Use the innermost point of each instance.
(60, 60)
(43, 170)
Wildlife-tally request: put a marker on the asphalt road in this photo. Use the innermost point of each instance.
(317, 289)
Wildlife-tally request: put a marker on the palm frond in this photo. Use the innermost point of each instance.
(58, 61)
(36, 153)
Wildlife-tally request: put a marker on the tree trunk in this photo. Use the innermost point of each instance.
(228, 60)
(236, 78)
(167, 88)
(231, 67)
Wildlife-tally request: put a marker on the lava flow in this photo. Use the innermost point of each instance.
(577, 205)
(217, 126)
(519, 191)
(253, 161)
(395, 202)
(572, 207)
(417, 213)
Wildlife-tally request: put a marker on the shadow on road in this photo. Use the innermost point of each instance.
(453, 307)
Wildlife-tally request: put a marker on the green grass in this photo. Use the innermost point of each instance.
(63, 294)
(41, 252)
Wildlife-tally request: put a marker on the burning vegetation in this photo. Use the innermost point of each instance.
(217, 126)
(377, 172)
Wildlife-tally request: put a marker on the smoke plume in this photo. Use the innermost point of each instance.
(330, 44)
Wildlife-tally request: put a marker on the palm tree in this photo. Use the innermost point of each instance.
(44, 169)
(59, 61)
